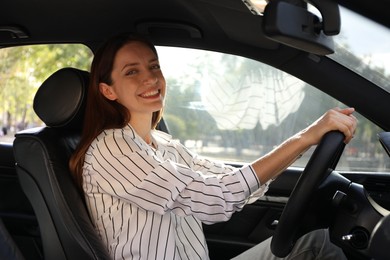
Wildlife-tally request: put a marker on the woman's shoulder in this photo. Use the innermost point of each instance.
(125, 132)
(161, 137)
(118, 137)
(171, 144)
(165, 139)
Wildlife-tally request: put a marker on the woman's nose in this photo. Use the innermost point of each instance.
(150, 79)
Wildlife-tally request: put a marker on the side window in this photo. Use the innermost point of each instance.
(22, 70)
(236, 109)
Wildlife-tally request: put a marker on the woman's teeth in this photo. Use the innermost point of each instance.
(150, 93)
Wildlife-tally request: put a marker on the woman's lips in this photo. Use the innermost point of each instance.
(150, 94)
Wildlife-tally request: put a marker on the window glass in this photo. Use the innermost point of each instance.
(236, 109)
(22, 70)
(367, 56)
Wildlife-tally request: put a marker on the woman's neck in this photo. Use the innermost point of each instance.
(142, 126)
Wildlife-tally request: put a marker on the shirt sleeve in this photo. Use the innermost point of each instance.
(215, 168)
(190, 185)
(212, 167)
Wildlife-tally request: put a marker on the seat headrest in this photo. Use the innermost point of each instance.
(60, 101)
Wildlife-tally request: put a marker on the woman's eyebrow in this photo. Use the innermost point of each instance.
(137, 63)
(129, 65)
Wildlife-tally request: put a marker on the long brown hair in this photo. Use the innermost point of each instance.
(101, 113)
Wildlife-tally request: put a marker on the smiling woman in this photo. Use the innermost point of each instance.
(22, 70)
(146, 193)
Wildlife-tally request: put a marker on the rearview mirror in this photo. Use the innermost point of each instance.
(295, 26)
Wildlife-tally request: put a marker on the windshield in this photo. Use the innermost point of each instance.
(363, 46)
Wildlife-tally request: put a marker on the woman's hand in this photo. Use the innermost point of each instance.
(334, 119)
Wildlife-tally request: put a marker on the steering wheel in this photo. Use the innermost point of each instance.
(321, 163)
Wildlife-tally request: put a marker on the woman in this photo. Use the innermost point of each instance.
(146, 193)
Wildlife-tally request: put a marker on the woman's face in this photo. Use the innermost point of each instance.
(138, 83)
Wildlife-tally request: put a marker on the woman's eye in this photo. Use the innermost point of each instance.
(155, 66)
(130, 72)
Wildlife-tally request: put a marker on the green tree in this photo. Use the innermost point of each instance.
(24, 68)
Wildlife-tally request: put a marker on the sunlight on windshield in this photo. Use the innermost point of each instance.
(369, 42)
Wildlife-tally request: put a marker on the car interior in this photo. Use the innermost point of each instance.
(42, 213)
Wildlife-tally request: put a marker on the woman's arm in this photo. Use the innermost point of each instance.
(119, 167)
(272, 164)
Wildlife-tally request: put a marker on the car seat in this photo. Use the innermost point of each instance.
(42, 155)
(8, 249)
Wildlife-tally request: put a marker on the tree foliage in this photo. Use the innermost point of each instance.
(23, 69)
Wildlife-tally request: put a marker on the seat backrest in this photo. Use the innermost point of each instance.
(19, 232)
(8, 248)
(42, 156)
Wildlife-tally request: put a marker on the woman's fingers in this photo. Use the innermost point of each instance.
(344, 121)
(339, 119)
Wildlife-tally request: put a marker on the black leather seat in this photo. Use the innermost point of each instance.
(42, 156)
(8, 248)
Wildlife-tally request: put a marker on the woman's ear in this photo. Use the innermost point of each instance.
(107, 91)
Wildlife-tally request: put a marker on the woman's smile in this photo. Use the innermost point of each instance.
(150, 94)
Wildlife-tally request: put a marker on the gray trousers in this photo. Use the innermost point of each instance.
(314, 245)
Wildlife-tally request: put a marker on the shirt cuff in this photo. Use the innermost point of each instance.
(252, 186)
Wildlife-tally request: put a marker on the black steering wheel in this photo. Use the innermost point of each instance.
(321, 163)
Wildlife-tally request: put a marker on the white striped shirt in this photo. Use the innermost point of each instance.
(150, 203)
